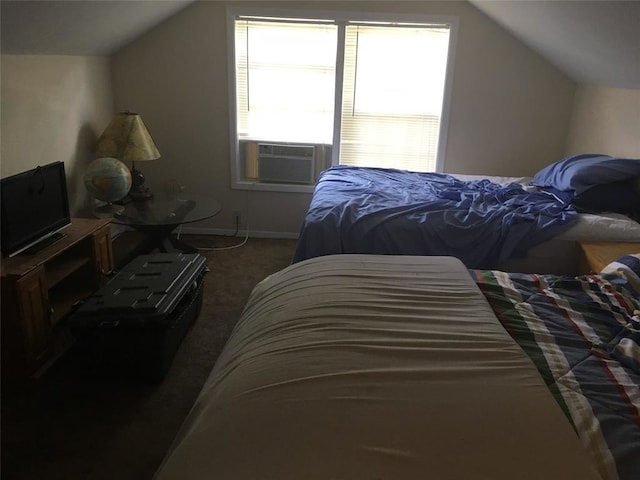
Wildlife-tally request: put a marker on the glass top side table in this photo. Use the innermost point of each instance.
(160, 215)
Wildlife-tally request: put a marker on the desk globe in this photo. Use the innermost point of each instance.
(109, 180)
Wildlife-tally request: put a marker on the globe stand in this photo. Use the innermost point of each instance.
(108, 210)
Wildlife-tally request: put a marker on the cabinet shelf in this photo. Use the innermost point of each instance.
(70, 290)
(57, 271)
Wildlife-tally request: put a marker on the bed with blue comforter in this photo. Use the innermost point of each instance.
(483, 223)
(385, 211)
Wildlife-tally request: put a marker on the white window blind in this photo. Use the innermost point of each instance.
(364, 89)
(393, 87)
(285, 80)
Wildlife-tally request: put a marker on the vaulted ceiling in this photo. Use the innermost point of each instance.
(594, 42)
(85, 27)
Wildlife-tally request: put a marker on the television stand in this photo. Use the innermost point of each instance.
(45, 242)
(40, 290)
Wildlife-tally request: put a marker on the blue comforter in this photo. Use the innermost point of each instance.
(385, 211)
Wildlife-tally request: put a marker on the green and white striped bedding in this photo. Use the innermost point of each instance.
(583, 335)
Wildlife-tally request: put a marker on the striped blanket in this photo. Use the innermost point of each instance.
(583, 334)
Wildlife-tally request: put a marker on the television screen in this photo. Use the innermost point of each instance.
(35, 206)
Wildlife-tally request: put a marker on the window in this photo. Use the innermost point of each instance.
(392, 96)
(312, 91)
(285, 80)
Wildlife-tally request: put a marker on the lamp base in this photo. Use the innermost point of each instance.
(140, 194)
(138, 191)
(123, 201)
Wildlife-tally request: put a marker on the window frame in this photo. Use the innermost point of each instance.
(337, 17)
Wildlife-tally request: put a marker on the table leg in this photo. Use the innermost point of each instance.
(160, 238)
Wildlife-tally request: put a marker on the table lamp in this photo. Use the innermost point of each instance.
(127, 139)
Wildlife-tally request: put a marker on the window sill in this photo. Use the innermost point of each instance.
(272, 187)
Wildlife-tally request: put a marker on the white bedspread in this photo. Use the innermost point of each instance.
(374, 367)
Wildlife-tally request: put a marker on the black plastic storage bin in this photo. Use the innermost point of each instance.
(135, 323)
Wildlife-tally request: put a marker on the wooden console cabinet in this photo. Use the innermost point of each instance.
(39, 290)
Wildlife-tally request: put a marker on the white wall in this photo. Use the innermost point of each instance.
(53, 109)
(605, 120)
(509, 115)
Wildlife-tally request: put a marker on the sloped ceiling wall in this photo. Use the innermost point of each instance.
(96, 27)
(593, 42)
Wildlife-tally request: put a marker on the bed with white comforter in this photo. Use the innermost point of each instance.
(380, 367)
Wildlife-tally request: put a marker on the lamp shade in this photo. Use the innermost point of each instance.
(127, 139)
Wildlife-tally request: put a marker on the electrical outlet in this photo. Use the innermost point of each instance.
(235, 214)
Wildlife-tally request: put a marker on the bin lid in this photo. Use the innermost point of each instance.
(146, 289)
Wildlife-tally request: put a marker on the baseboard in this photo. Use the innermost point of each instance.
(220, 231)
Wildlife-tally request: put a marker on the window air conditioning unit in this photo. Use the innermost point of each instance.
(286, 163)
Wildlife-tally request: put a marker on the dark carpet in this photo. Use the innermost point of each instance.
(72, 425)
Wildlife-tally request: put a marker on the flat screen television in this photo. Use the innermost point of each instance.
(34, 208)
